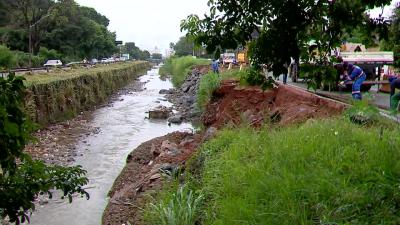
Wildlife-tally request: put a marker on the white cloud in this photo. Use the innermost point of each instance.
(148, 23)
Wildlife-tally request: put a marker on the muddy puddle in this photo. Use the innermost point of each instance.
(122, 127)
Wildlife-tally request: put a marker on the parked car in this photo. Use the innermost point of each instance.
(104, 60)
(52, 62)
(94, 61)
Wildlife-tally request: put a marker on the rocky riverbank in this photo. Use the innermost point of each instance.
(184, 97)
(55, 144)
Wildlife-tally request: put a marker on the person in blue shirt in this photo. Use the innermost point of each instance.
(394, 98)
(215, 66)
(356, 74)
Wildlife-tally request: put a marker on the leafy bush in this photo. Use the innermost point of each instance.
(21, 178)
(180, 209)
(47, 54)
(318, 76)
(322, 172)
(208, 84)
(253, 76)
(178, 68)
(7, 59)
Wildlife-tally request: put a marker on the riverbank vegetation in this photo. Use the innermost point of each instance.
(211, 81)
(327, 171)
(178, 68)
(22, 179)
(60, 95)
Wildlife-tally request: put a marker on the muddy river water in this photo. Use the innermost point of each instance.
(123, 127)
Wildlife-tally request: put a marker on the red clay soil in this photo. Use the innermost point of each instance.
(231, 103)
(284, 105)
(142, 175)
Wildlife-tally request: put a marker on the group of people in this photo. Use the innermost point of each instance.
(356, 74)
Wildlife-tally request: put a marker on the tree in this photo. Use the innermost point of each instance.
(393, 42)
(21, 178)
(184, 47)
(156, 56)
(7, 58)
(279, 30)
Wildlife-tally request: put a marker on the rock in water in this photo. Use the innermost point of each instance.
(177, 119)
(160, 112)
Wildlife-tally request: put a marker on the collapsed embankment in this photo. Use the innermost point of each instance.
(161, 159)
(61, 99)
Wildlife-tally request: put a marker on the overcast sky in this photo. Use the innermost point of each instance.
(148, 23)
(151, 23)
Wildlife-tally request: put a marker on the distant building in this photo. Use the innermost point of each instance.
(353, 47)
(156, 50)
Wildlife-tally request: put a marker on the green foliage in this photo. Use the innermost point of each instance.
(47, 54)
(324, 172)
(280, 30)
(21, 178)
(156, 56)
(253, 76)
(180, 208)
(7, 58)
(208, 84)
(363, 113)
(178, 68)
(318, 76)
(134, 51)
(74, 31)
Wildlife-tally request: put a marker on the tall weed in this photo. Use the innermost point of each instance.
(178, 68)
(180, 209)
(208, 84)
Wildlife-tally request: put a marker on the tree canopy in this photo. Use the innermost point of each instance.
(134, 51)
(74, 31)
(280, 29)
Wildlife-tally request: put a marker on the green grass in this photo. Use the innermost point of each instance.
(322, 172)
(179, 208)
(211, 81)
(178, 68)
(208, 83)
(59, 74)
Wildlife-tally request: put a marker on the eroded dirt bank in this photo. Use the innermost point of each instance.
(146, 166)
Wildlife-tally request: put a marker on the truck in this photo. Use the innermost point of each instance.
(228, 58)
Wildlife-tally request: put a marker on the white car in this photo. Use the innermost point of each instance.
(53, 63)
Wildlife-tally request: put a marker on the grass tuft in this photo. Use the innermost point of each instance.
(178, 209)
(178, 68)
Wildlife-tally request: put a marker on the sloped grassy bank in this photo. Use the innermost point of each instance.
(59, 96)
(326, 171)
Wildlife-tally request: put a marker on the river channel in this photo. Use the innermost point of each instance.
(123, 127)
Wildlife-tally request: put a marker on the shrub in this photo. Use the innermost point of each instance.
(7, 58)
(178, 68)
(208, 84)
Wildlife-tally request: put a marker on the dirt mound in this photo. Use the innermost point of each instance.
(147, 166)
(283, 105)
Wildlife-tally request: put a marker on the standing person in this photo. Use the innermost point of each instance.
(356, 74)
(394, 98)
(215, 66)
